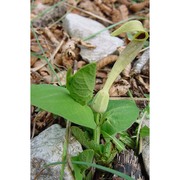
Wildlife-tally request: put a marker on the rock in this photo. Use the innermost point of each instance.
(145, 148)
(81, 27)
(47, 148)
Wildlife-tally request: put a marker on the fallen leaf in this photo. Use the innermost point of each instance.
(135, 7)
(124, 11)
(105, 61)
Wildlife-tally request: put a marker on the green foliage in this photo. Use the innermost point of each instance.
(81, 84)
(79, 169)
(57, 100)
(144, 131)
(120, 116)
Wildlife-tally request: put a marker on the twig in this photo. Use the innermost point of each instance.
(51, 36)
(51, 57)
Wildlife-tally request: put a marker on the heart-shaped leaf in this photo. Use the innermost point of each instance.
(57, 100)
(119, 116)
(81, 84)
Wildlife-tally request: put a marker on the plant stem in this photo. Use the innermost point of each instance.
(65, 149)
(97, 130)
(129, 53)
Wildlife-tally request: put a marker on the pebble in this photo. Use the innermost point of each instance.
(81, 27)
(47, 148)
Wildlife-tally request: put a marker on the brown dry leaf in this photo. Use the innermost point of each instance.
(91, 7)
(51, 36)
(141, 80)
(124, 11)
(145, 70)
(126, 71)
(107, 60)
(103, 7)
(135, 7)
(125, 2)
(51, 80)
(35, 48)
(58, 60)
(146, 22)
(116, 15)
(83, 43)
(68, 58)
(101, 74)
(33, 60)
(43, 70)
(50, 2)
(72, 2)
(98, 87)
(36, 78)
(119, 89)
(80, 64)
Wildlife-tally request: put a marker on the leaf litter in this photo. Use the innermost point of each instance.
(62, 51)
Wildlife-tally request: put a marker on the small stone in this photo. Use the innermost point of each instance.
(47, 148)
(81, 27)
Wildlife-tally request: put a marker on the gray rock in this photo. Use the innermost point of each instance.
(81, 27)
(145, 148)
(46, 148)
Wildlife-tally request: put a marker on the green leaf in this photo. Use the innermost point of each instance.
(103, 168)
(81, 84)
(83, 138)
(126, 139)
(85, 156)
(57, 100)
(119, 145)
(144, 131)
(120, 116)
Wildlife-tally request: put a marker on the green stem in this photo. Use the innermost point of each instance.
(97, 130)
(65, 149)
(129, 53)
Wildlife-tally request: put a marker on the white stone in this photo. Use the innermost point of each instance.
(81, 27)
(47, 148)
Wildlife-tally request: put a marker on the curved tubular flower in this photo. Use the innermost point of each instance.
(101, 99)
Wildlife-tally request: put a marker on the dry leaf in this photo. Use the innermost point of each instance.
(101, 74)
(135, 7)
(51, 36)
(140, 79)
(91, 7)
(36, 78)
(126, 71)
(119, 89)
(116, 15)
(33, 60)
(105, 61)
(51, 80)
(146, 22)
(80, 64)
(124, 12)
(125, 2)
(50, 2)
